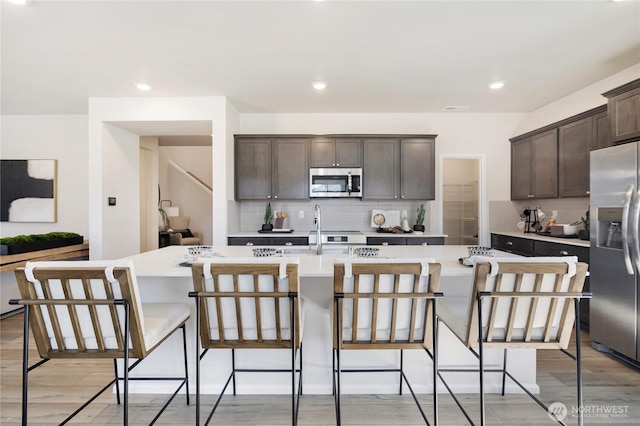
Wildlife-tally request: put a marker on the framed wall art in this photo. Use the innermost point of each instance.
(28, 190)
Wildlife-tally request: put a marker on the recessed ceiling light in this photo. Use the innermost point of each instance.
(143, 86)
(496, 85)
(319, 85)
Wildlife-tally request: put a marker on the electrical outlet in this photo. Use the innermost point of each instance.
(554, 213)
(300, 214)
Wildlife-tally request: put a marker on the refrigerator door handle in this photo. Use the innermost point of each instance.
(625, 228)
(634, 230)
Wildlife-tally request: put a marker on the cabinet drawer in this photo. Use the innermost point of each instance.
(289, 241)
(386, 241)
(247, 241)
(522, 246)
(431, 241)
(543, 248)
(267, 241)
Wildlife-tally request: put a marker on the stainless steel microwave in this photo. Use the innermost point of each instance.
(335, 182)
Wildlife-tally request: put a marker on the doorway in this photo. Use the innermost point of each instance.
(463, 200)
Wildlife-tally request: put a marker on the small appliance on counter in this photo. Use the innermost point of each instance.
(388, 221)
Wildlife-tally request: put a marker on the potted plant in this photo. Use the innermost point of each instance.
(420, 219)
(34, 242)
(268, 217)
(583, 234)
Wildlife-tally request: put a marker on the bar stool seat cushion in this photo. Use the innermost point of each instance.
(160, 319)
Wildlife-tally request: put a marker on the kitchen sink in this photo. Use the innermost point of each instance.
(325, 250)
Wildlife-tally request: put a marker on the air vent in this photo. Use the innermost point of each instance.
(453, 108)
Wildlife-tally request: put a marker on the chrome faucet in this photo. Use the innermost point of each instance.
(316, 220)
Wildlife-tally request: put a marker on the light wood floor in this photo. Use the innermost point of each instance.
(58, 388)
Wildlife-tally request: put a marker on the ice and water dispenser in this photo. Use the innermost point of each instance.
(609, 228)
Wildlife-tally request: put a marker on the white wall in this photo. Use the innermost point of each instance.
(193, 201)
(59, 137)
(583, 100)
(103, 111)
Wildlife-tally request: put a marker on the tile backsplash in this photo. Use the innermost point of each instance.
(337, 214)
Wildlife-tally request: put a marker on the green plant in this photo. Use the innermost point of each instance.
(25, 239)
(586, 221)
(420, 218)
(268, 214)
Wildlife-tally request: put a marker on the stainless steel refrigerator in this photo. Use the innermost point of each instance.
(615, 250)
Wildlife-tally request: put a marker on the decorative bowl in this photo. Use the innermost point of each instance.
(366, 251)
(265, 252)
(479, 251)
(196, 250)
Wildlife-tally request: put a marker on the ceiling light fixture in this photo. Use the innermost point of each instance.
(319, 85)
(497, 85)
(143, 86)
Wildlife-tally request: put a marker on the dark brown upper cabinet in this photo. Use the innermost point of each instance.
(534, 166)
(574, 143)
(271, 168)
(399, 168)
(553, 161)
(336, 152)
(624, 112)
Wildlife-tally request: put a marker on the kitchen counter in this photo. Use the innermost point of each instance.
(161, 279)
(558, 240)
(255, 234)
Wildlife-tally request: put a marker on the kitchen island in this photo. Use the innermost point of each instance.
(162, 279)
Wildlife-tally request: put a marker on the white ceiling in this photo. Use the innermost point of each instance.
(377, 56)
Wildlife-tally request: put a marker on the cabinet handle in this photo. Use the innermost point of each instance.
(588, 192)
(564, 253)
(402, 196)
(268, 196)
(288, 243)
(395, 196)
(530, 196)
(425, 244)
(509, 243)
(275, 196)
(338, 164)
(249, 243)
(385, 243)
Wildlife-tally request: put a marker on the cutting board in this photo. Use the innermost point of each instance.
(391, 218)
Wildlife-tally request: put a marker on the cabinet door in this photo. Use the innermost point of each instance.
(545, 164)
(573, 158)
(624, 115)
(290, 169)
(521, 156)
(421, 241)
(323, 152)
(516, 245)
(348, 152)
(417, 169)
(602, 132)
(253, 169)
(380, 174)
(386, 241)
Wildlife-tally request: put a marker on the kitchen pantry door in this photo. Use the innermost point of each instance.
(462, 194)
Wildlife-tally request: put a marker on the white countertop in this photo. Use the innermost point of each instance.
(165, 262)
(557, 240)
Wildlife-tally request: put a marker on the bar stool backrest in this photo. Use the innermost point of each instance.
(529, 306)
(383, 304)
(83, 323)
(247, 302)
